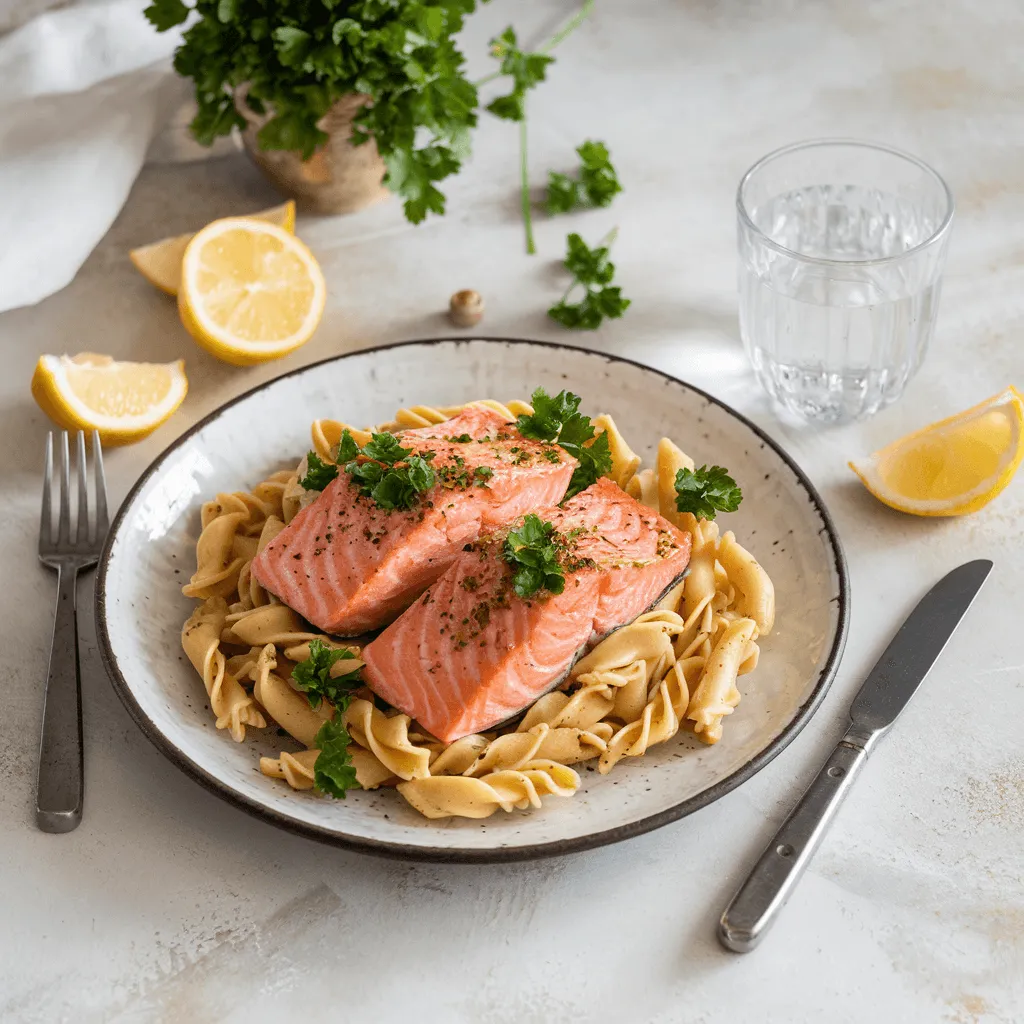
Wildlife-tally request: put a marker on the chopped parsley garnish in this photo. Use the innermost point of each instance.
(462, 439)
(313, 676)
(333, 772)
(557, 419)
(482, 474)
(318, 473)
(533, 554)
(706, 491)
(392, 476)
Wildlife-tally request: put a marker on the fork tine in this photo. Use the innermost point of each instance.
(46, 517)
(64, 522)
(82, 535)
(101, 488)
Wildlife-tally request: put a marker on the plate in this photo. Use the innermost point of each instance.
(150, 552)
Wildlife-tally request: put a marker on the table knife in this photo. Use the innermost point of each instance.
(885, 693)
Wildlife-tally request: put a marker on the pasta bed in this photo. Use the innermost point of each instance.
(674, 668)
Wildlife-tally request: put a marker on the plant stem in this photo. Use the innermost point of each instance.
(570, 26)
(524, 176)
(567, 29)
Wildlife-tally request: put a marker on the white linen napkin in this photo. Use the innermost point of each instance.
(84, 90)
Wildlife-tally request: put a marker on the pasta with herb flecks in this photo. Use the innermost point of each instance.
(673, 668)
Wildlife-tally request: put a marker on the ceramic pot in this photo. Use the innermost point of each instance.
(337, 178)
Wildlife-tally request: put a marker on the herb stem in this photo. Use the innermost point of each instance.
(570, 26)
(524, 177)
(566, 30)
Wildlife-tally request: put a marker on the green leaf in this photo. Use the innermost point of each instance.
(706, 491)
(333, 772)
(313, 676)
(558, 419)
(549, 414)
(597, 175)
(533, 556)
(592, 269)
(292, 131)
(165, 14)
(347, 447)
(292, 45)
(386, 448)
(318, 473)
(563, 193)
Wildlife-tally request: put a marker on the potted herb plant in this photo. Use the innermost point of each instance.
(337, 101)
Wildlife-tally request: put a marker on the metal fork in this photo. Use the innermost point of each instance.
(59, 788)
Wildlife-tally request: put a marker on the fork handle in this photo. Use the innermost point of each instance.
(60, 787)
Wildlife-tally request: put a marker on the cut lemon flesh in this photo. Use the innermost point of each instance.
(123, 401)
(250, 291)
(160, 262)
(953, 467)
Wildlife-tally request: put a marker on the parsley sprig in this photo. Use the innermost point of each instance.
(706, 491)
(558, 419)
(527, 70)
(318, 473)
(333, 771)
(593, 271)
(390, 475)
(597, 185)
(297, 59)
(313, 676)
(532, 553)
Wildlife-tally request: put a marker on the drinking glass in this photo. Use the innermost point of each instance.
(841, 250)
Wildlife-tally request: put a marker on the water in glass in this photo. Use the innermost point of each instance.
(834, 321)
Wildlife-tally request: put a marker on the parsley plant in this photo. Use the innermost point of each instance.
(296, 59)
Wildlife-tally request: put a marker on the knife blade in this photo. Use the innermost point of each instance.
(885, 693)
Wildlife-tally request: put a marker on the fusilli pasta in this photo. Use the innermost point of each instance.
(675, 667)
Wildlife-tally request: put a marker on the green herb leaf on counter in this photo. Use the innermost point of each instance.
(318, 473)
(706, 491)
(558, 419)
(333, 772)
(593, 271)
(291, 62)
(598, 184)
(526, 70)
(313, 676)
(532, 553)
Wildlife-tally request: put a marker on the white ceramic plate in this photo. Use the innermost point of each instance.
(151, 552)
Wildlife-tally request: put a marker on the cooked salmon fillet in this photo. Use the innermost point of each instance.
(348, 565)
(470, 653)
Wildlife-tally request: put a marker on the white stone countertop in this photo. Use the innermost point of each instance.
(168, 904)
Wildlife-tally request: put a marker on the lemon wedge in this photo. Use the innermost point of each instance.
(123, 401)
(250, 291)
(953, 467)
(160, 262)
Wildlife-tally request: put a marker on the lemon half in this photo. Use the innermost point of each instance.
(123, 401)
(160, 262)
(953, 467)
(250, 291)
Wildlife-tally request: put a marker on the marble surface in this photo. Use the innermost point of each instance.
(169, 905)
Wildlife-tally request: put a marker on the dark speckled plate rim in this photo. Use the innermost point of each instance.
(497, 854)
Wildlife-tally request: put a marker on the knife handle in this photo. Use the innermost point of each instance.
(771, 882)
